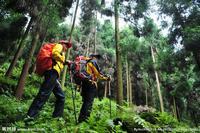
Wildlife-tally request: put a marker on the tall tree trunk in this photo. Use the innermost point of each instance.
(65, 70)
(106, 89)
(193, 117)
(24, 73)
(130, 87)
(106, 83)
(119, 97)
(151, 91)
(68, 50)
(19, 50)
(88, 47)
(95, 35)
(178, 113)
(146, 96)
(196, 54)
(174, 107)
(127, 82)
(157, 82)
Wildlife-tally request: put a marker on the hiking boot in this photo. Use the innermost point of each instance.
(28, 119)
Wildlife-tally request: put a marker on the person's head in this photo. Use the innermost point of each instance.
(52, 40)
(95, 56)
(65, 44)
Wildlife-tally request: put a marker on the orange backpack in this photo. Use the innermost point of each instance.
(44, 59)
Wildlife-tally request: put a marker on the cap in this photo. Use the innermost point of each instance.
(98, 56)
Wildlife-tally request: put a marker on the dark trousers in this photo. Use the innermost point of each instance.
(88, 95)
(50, 84)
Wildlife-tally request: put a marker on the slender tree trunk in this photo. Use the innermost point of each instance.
(157, 82)
(127, 82)
(95, 35)
(19, 50)
(146, 96)
(68, 51)
(174, 107)
(34, 68)
(109, 89)
(24, 73)
(130, 87)
(106, 89)
(151, 91)
(194, 119)
(88, 47)
(119, 97)
(65, 70)
(178, 113)
(196, 54)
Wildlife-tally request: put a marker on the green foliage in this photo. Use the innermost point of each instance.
(129, 42)
(88, 15)
(4, 67)
(134, 10)
(184, 13)
(7, 85)
(11, 110)
(151, 121)
(7, 81)
(11, 30)
(106, 34)
(192, 37)
(17, 69)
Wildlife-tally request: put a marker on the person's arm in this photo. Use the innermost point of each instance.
(56, 53)
(96, 71)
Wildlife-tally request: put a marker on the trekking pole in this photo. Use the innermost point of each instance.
(73, 98)
(109, 93)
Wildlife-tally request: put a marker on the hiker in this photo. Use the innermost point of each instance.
(51, 82)
(89, 87)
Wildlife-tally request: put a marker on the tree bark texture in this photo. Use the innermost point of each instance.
(127, 83)
(130, 87)
(157, 82)
(24, 73)
(119, 85)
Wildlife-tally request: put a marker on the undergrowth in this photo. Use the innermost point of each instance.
(13, 112)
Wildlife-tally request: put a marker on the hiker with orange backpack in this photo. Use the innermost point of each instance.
(49, 63)
(85, 72)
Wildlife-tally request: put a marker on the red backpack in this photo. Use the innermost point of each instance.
(44, 59)
(78, 69)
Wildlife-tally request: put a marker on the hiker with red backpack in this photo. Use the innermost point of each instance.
(49, 63)
(85, 72)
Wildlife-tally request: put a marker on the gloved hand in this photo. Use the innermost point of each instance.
(108, 78)
(69, 44)
(67, 62)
